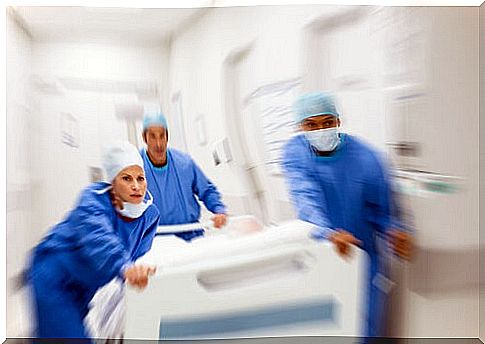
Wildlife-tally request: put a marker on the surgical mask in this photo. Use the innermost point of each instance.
(134, 211)
(324, 140)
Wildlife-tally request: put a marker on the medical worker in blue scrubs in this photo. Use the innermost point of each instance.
(176, 182)
(342, 185)
(111, 226)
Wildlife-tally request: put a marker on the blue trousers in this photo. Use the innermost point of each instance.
(60, 304)
(376, 301)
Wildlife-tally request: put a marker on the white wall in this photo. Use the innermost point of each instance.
(99, 61)
(448, 224)
(91, 80)
(19, 115)
(452, 89)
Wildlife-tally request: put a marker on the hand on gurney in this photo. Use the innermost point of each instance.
(137, 275)
(401, 243)
(341, 239)
(219, 220)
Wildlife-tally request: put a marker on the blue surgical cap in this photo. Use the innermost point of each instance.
(154, 119)
(315, 104)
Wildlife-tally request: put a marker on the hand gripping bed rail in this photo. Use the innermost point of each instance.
(206, 225)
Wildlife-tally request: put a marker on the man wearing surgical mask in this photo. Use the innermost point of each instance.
(341, 184)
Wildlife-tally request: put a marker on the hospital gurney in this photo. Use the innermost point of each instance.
(275, 281)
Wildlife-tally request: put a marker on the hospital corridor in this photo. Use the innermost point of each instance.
(243, 172)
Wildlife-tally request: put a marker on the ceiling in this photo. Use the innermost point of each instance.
(143, 26)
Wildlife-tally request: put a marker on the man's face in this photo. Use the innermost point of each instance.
(156, 140)
(319, 122)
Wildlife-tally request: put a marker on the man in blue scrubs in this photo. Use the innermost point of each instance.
(342, 185)
(176, 182)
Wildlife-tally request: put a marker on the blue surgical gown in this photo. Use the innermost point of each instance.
(350, 190)
(85, 251)
(174, 188)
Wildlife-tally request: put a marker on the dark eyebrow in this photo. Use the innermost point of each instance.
(309, 121)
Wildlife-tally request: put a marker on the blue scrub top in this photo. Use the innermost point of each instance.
(177, 186)
(95, 242)
(349, 189)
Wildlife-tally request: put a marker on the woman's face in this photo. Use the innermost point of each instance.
(130, 185)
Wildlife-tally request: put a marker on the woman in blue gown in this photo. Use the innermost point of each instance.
(112, 224)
